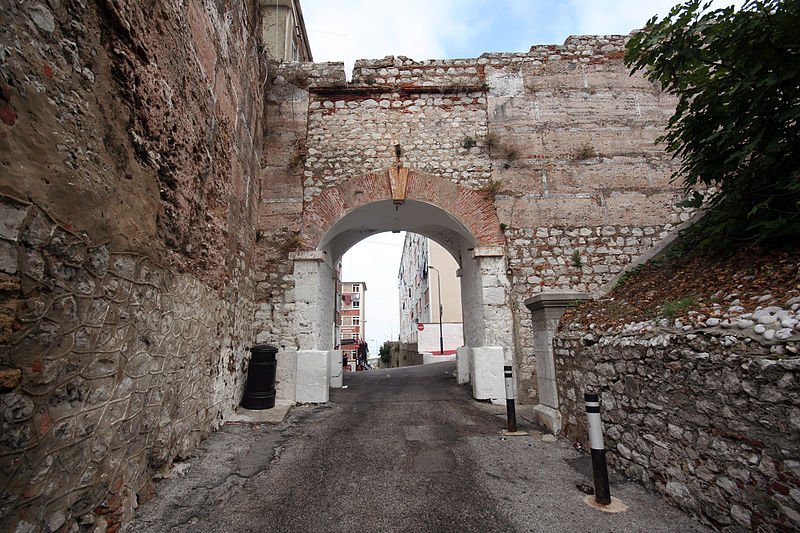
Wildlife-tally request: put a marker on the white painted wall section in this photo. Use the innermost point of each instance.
(462, 365)
(428, 358)
(285, 376)
(313, 376)
(336, 369)
(487, 363)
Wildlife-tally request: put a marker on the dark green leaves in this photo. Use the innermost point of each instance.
(737, 123)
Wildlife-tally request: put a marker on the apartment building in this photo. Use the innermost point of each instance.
(352, 316)
(428, 271)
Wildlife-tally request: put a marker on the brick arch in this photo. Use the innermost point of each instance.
(472, 208)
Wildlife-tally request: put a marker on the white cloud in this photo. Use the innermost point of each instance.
(353, 29)
(346, 30)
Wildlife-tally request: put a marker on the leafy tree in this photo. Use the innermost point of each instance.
(737, 123)
(385, 353)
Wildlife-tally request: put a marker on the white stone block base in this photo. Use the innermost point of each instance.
(428, 358)
(285, 376)
(313, 376)
(336, 369)
(487, 363)
(462, 364)
(548, 417)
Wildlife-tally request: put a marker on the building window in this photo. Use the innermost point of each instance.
(356, 321)
(356, 304)
(356, 288)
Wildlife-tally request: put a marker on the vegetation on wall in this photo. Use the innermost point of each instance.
(736, 127)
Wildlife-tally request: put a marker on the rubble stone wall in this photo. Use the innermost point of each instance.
(709, 417)
(130, 146)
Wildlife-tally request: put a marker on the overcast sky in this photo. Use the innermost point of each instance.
(346, 30)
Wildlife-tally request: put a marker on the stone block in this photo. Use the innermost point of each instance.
(463, 365)
(11, 218)
(313, 376)
(494, 295)
(286, 376)
(336, 369)
(486, 364)
(548, 417)
(8, 257)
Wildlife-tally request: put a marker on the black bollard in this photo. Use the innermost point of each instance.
(602, 495)
(510, 408)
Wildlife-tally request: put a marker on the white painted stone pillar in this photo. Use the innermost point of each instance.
(495, 315)
(286, 376)
(462, 365)
(313, 320)
(336, 369)
(546, 309)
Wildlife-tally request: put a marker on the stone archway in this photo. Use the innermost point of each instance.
(462, 220)
(470, 207)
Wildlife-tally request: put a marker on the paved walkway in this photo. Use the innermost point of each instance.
(399, 450)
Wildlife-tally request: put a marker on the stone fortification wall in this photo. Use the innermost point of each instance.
(129, 142)
(582, 190)
(560, 137)
(280, 209)
(706, 415)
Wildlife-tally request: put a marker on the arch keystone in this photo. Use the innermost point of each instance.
(398, 182)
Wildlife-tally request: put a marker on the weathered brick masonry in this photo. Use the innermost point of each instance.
(129, 149)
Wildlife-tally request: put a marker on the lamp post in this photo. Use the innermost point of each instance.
(441, 309)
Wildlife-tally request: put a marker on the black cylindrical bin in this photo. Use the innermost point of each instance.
(260, 392)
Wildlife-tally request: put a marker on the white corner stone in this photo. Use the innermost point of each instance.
(313, 376)
(548, 417)
(285, 376)
(462, 365)
(487, 364)
(336, 369)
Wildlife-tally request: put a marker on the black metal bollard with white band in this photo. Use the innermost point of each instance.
(602, 494)
(510, 408)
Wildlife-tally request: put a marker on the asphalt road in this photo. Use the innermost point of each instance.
(398, 450)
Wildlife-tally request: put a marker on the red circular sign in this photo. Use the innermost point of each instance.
(420, 327)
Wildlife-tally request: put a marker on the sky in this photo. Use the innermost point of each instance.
(346, 30)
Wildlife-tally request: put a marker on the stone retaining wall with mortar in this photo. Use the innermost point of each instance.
(707, 416)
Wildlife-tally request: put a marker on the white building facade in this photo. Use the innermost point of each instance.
(425, 264)
(353, 320)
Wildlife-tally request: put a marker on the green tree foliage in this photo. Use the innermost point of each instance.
(385, 353)
(737, 124)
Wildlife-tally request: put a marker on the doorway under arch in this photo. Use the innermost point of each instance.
(462, 220)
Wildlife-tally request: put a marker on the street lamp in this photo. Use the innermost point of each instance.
(441, 309)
